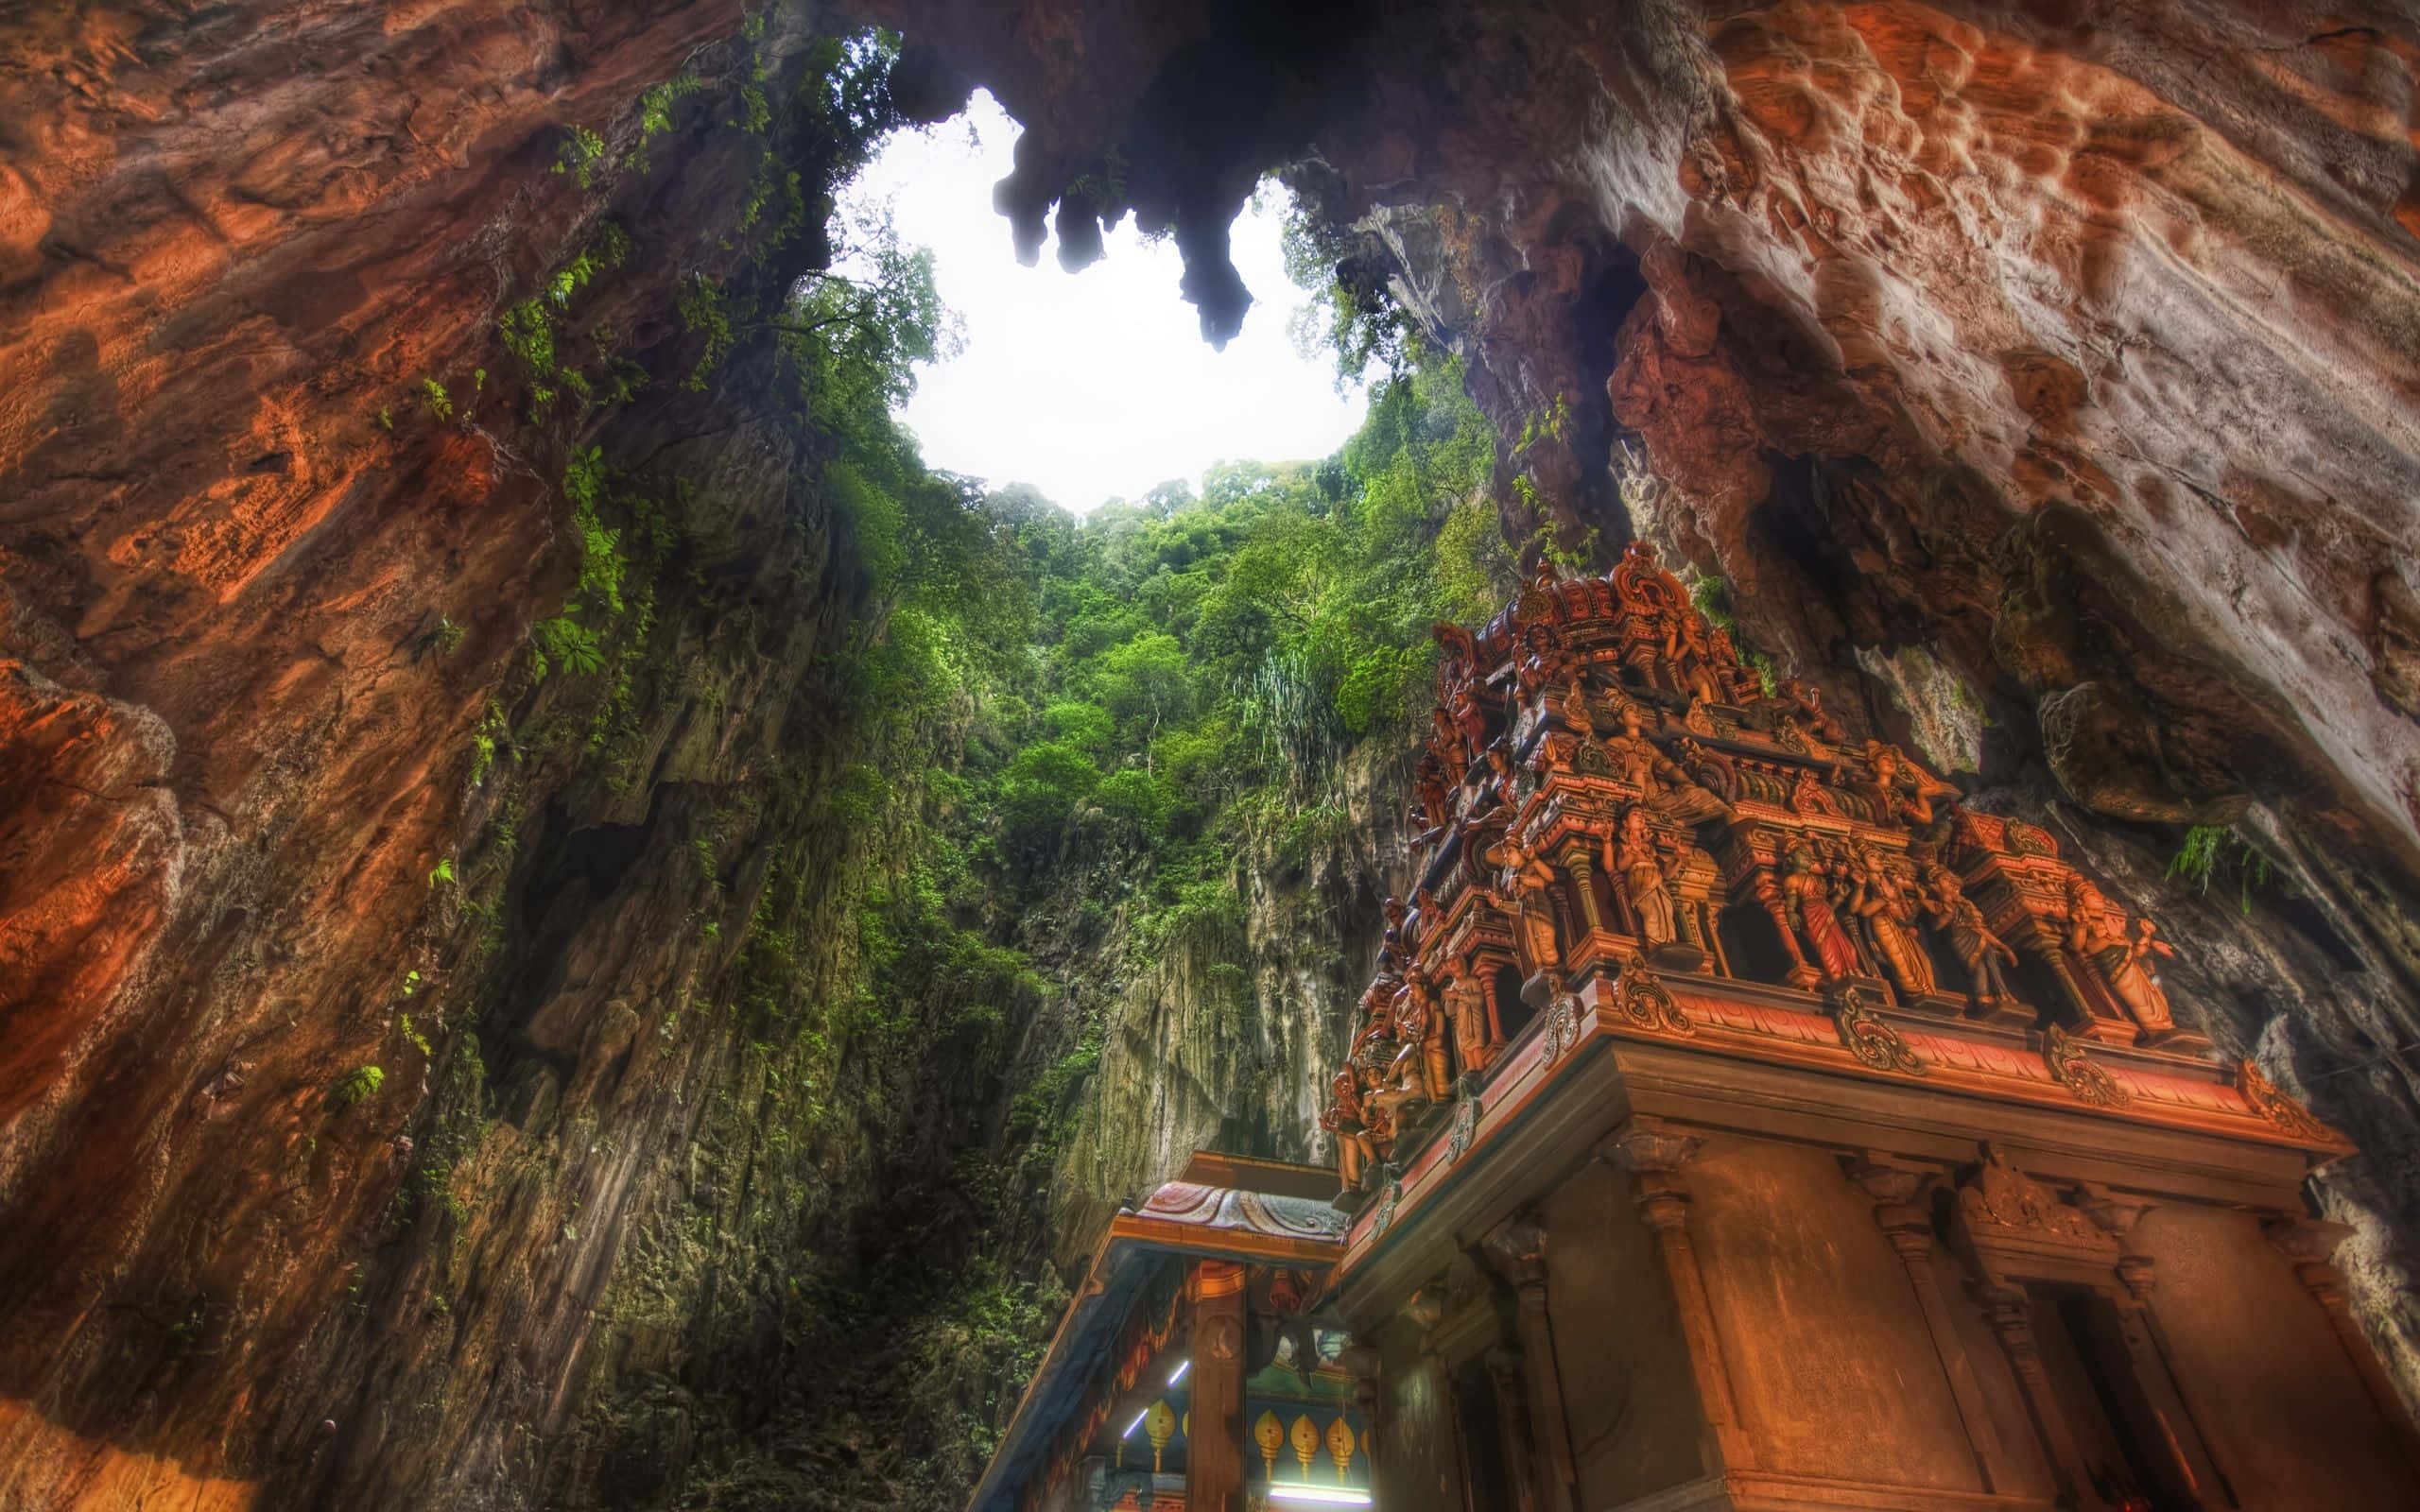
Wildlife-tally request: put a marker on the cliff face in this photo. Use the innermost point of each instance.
(2042, 371)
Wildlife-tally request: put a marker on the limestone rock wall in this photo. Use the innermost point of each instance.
(2067, 346)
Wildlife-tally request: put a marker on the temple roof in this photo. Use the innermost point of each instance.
(1220, 1207)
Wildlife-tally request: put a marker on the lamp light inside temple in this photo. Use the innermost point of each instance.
(1322, 1495)
(1136, 1423)
(1182, 1366)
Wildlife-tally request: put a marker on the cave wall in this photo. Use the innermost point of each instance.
(2060, 351)
(287, 801)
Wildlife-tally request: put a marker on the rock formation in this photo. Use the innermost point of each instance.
(2063, 351)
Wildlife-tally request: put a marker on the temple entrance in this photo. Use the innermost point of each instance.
(2126, 1452)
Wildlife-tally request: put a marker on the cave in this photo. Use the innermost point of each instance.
(581, 928)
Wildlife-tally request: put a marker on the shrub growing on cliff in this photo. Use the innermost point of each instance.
(357, 1086)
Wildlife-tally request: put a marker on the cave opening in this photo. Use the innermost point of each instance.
(649, 772)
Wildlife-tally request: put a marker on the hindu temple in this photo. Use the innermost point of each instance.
(1734, 1120)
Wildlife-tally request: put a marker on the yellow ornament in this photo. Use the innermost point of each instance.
(1159, 1423)
(1306, 1442)
(1340, 1447)
(1271, 1435)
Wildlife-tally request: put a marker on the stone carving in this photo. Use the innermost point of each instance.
(1465, 1005)
(2003, 1197)
(1888, 914)
(1869, 1038)
(2291, 1117)
(1465, 1129)
(1608, 788)
(1563, 1025)
(1526, 888)
(1644, 1002)
(1629, 854)
(1809, 897)
(2118, 961)
(1971, 940)
(2075, 1070)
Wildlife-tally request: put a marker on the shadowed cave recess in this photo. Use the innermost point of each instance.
(577, 930)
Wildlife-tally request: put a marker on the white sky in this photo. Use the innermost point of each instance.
(1096, 383)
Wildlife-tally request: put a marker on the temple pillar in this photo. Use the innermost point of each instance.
(1582, 875)
(2311, 1246)
(1214, 1450)
(1517, 1251)
(1894, 1191)
(1653, 1155)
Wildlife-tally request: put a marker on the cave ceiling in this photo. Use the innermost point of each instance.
(2074, 341)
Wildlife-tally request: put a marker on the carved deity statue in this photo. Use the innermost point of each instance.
(1526, 889)
(1629, 854)
(1465, 1001)
(1890, 916)
(1970, 939)
(1808, 895)
(1808, 700)
(1901, 790)
(2122, 962)
(1690, 659)
(1421, 1029)
(1356, 1145)
(1392, 944)
(1574, 709)
(1670, 791)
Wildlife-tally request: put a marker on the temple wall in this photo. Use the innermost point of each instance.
(1821, 1329)
(2022, 1468)
(1636, 1427)
(2275, 1395)
(1417, 1468)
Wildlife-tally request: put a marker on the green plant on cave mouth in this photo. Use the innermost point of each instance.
(2208, 849)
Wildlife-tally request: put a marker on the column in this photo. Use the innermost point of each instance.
(1582, 875)
(1894, 1191)
(1213, 1458)
(1517, 1250)
(2311, 1246)
(1653, 1155)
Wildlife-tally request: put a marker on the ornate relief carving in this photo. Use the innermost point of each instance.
(1389, 1200)
(1465, 1128)
(2072, 1069)
(2291, 1117)
(1650, 1147)
(1643, 1001)
(1562, 1027)
(2001, 1196)
(1867, 1037)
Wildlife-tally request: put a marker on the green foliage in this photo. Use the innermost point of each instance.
(448, 636)
(1352, 314)
(440, 403)
(412, 1036)
(1712, 596)
(2208, 849)
(355, 1086)
(577, 154)
(705, 307)
(442, 873)
(655, 115)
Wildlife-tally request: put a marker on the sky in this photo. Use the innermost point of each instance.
(1093, 385)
